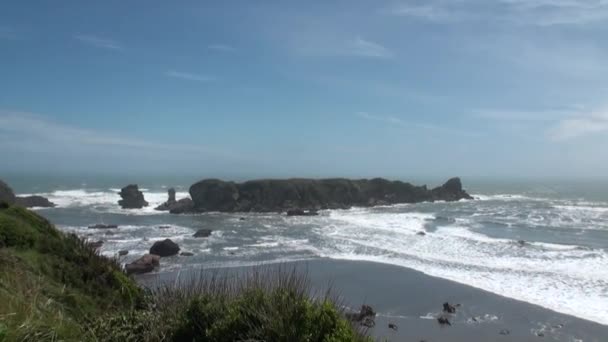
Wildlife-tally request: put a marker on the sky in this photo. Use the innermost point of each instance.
(357, 88)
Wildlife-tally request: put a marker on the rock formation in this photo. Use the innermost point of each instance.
(6, 193)
(170, 201)
(145, 264)
(202, 233)
(184, 205)
(34, 202)
(164, 248)
(281, 195)
(132, 198)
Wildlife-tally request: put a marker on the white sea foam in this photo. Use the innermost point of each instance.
(563, 278)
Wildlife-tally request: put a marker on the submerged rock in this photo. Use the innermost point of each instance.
(301, 212)
(421, 233)
(443, 321)
(393, 326)
(96, 244)
(123, 252)
(145, 264)
(103, 226)
(164, 248)
(202, 233)
(449, 308)
(34, 201)
(132, 198)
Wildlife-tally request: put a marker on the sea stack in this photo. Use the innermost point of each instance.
(170, 201)
(132, 198)
(281, 195)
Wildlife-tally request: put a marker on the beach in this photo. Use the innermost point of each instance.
(413, 300)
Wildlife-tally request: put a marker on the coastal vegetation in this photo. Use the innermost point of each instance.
(56, 287)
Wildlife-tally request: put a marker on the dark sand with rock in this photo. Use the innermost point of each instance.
(410, 302)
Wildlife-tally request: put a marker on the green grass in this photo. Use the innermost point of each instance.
(55, 287)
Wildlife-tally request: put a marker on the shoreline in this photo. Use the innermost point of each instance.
(412, 300)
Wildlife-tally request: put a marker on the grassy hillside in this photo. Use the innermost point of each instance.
(55, 287)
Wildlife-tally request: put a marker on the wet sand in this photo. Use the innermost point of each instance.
(413, 300)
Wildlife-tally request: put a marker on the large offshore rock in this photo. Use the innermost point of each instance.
(132, 198)
(164, 248)
(280, 195)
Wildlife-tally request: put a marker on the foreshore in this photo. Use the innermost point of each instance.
(412, 300)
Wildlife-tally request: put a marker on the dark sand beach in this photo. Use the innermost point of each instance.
(413, 300)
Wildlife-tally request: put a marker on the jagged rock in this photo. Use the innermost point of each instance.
(145, 264)
(132, 198)
(275, 195)
(184, 205)
(34, 201)
(123, 252)
(366, 314)
(301, 212)
(170, 201)
(103, 226)
(444, 321)
(202, 233)
(450, 191)
(186, 254)
(6, 193)
(164, 248)
(393, 326)
(449, 308)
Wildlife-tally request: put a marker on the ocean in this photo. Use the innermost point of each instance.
(539, 242)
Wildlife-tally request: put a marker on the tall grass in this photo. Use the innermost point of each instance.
(265, 303)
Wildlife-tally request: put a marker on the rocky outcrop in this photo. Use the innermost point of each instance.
(202, 233)
(103, 226)
(274, 195)
(6, 193)
(34, 202)
(170, 201)
(164, 248)
(145, 264)
(132, 198)
(184, 205)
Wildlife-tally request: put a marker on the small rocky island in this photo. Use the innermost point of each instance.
(132, 198)
(280, 195)
(7, 195)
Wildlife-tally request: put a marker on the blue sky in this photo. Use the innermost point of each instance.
(435, 88)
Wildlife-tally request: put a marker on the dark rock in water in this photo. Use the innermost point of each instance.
(241, 219)
(96, 244)
(184, 205)
(504, 332)
(275, 195)
(393, 326)
(540, 334)
(103, 226)
(145, 264)
(365, 316)
(34, 201)
(164, 248)
(170, 201)
(164, 227)
(123, 252)
(421, 233)
(186, 254)
(109, 233)
(300, 212)
(449, 308)
(450, 191)
(444, 321)
(6, 193)
(132, 198)
(521, 243)
(202, 233)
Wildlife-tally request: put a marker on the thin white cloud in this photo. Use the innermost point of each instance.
(30, 127)
(520, 12)
(189, 76)
(98, 42)
(367, 48)
(221, 47)
(580, 126)
(395, 121)
(550, 115)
